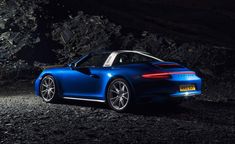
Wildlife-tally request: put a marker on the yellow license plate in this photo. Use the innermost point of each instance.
(187, 88)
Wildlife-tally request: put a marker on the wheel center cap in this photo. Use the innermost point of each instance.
(121, 92)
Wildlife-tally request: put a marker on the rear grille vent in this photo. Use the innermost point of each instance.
(167, 66)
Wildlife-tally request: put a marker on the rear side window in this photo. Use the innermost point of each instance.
(130, 58)
(138, 58)
(122, 58)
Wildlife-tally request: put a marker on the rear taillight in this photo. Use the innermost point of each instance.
(157, 76)
(163, 75)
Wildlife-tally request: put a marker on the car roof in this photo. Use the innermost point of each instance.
(131, 51)
(117, 51)
(121, 51)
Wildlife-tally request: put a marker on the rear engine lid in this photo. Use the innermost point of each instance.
(169, 70)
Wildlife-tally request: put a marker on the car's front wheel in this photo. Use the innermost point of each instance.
(119, 95)
(48, 89)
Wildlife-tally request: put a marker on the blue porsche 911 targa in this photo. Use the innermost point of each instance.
(119, 78)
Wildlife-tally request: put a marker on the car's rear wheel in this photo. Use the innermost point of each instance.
(48, 89)
(119, 95)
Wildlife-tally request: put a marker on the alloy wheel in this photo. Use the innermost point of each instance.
(47, 88)
(118, 95)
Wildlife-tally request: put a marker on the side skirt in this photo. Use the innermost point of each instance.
(84, 99)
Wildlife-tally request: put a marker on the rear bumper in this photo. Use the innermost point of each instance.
(164, 90)
(185, 94)
(162, 98)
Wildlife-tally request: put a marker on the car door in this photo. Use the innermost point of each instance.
(84, 80)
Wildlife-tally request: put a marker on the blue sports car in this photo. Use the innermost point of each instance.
(119, 78)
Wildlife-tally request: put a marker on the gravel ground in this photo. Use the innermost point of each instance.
(25, 118)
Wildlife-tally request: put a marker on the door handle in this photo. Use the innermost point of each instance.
(94, 76)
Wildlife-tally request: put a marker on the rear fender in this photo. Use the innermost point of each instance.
(119, 76)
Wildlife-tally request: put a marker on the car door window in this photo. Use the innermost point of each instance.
(96, 60)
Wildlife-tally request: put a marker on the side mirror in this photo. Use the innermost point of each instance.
(87, 71)
(72, 65)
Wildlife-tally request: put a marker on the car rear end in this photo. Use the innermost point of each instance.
(167, 81)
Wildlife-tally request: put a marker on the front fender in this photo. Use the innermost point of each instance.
(38, 82)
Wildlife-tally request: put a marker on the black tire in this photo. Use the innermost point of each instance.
(118, 95)
(48, 90)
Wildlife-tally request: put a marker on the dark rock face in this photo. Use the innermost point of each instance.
(83, 34)
(18, 28)
(18, 34)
